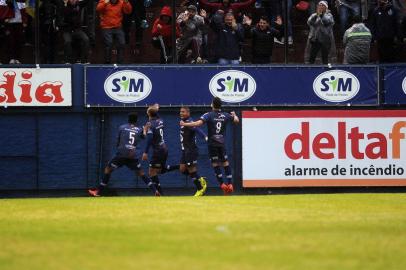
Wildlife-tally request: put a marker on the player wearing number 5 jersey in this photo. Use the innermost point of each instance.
(128, 136)
(216, 121)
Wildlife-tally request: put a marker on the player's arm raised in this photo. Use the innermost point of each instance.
(148, 135)
(201, 133)
(236, 120)
(197, 123)
(145, 128)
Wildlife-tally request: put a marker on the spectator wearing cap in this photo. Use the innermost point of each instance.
(229, 35)
(321, 35)
(357, 43)
(111, 17)
(192, 25)
(15, 20)
(162, 34)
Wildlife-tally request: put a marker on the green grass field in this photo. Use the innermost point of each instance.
(338, 231)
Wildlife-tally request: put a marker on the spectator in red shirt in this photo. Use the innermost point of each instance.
(162, 34)
(111, 17)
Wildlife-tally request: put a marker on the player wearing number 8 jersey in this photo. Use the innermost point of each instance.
(128, 136)
(216, 121)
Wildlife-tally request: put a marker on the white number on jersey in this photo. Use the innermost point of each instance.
(132, 138)
(218, 127)
(181, 142)
(161, 132)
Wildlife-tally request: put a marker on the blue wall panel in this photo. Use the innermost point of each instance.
(93, 153)
(394, 85)
(18, 173)
(17, 152)
(62, 151)
(17, 135)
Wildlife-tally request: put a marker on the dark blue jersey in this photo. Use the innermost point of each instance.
(216, 126)
(188, 136)
(127, 139)
(156, 135)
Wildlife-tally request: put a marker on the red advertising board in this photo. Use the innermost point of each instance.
(324, 148)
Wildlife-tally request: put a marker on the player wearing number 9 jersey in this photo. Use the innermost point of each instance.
(127, 139)
(216, 121)
(154, 130)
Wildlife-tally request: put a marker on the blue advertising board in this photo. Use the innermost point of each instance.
(238, 85)
(394, 85)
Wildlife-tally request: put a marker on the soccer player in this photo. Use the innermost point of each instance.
(127, 138)
(188, 161)
(216, 121)
(154, 130)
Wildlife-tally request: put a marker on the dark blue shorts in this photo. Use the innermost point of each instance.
(217, 153)
(158, 159)
(131, 163)
(189, 157)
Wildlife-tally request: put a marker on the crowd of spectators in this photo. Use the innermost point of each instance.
(207, 31)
